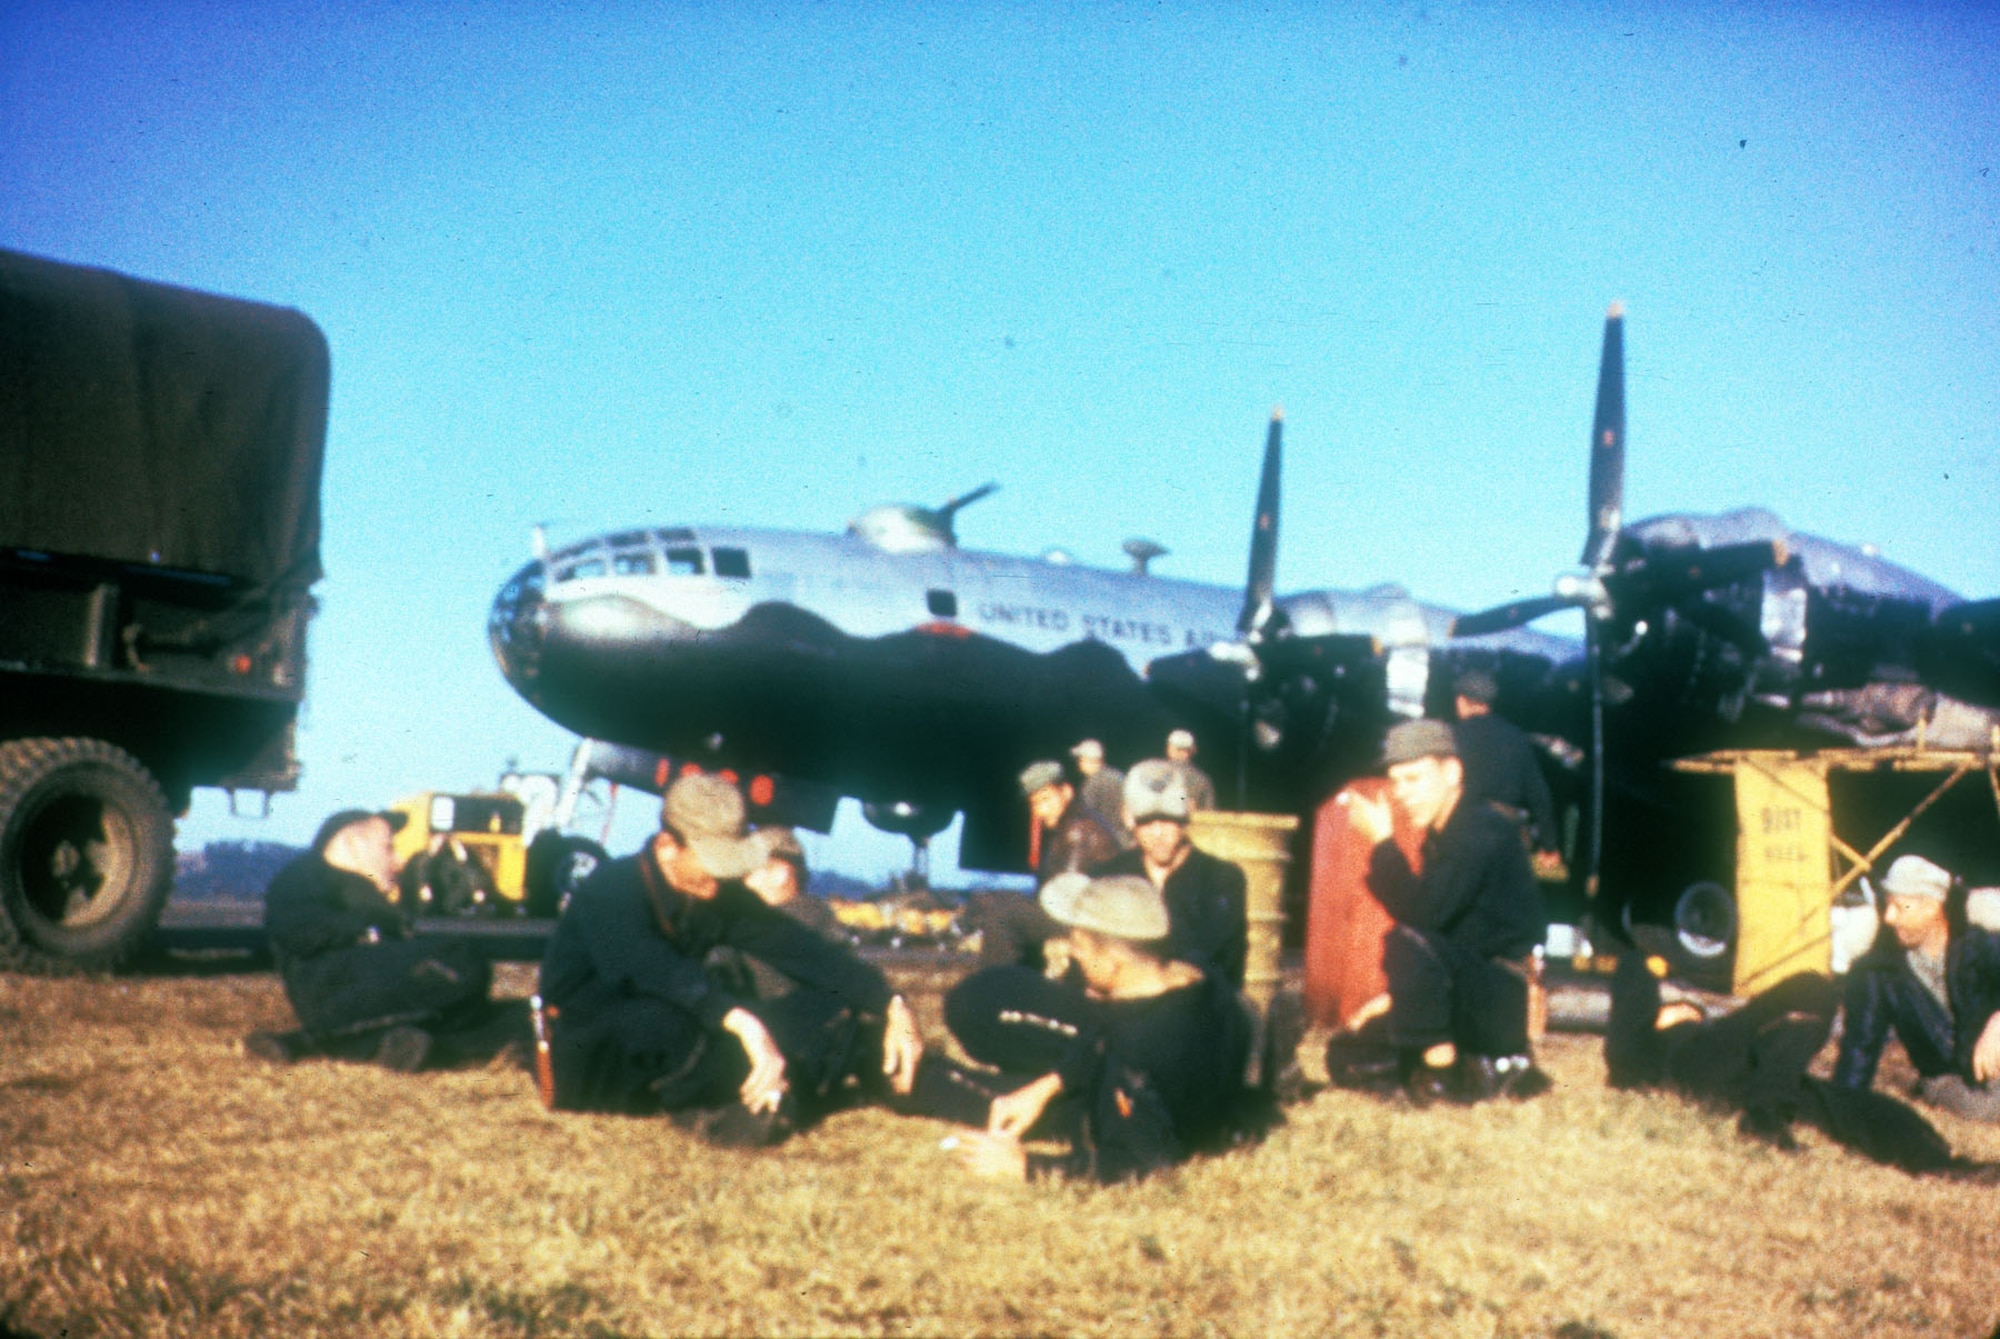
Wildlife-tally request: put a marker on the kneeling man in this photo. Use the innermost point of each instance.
(642, 1026)
(1459, 957)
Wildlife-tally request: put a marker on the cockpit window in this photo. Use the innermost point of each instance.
(589, 567)
(674, 536)
(633, 563)
(684, 562)
(626, 539)
(732, 562)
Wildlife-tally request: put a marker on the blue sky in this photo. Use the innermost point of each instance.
(596, 265)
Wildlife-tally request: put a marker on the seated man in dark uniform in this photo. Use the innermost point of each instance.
(1138, 1063)
(1459, 956)
(641, 1025)
(1205, 896)
(1933, 978)
(360, 984)
(1754, 1061)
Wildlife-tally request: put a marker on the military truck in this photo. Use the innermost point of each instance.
(160, 457)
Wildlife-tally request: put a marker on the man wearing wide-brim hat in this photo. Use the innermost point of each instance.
(1467, 924)
(1136, 1059)
(641, 1025)
(1932, 977)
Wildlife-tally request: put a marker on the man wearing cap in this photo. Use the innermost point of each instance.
(1069, 839)
(1180, 752)
(1934, 979)
(1138, 1062)
(1499, 762)
(361, 986)
(1458, 958)
(1102, 789)
(1205, 897)
(640, 1024)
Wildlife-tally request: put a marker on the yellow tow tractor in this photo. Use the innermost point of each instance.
(508, 851)
(462, 855)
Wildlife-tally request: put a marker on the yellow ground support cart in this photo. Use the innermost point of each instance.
(1791, 863)
(462, 854)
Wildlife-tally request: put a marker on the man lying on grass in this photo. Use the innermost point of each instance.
(1135, 1058)
(641, 1025)
(1754, 1060)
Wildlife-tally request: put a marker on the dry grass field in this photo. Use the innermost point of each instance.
(156, 1183)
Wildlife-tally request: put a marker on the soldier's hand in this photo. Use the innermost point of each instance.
(765, 1086)
(1986, 1052)
(902, 1046)
(1016, 1113)
(993, 1157)
(1371, 818)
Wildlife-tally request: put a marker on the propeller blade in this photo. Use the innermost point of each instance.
(1607, 445)
(1505, 617)
(1264, 535)
(1593, 842)
(1666, 575)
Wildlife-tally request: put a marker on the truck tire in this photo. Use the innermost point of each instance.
(86, 854)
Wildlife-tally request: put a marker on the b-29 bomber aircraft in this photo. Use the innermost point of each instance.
(895, 666)
(920, 676)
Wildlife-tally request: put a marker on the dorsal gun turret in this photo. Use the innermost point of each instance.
(911, 529)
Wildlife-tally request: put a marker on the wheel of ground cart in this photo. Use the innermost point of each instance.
(1705, 920)
(86, 854)
(557, 867)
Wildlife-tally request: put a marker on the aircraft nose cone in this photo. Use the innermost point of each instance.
(517, 626)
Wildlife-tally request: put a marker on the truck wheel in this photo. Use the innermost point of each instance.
(86, 854)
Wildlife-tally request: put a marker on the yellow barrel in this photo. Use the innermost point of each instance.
(1259, 845)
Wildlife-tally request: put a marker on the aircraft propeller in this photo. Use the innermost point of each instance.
(1614, 588)
(1261, 582)
(1274, 686)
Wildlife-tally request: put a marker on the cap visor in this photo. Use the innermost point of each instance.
(727, 857)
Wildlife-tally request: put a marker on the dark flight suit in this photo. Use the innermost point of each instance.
(1883, 994)
(1103, 793)
(1501, 769)
(1755, 1061)
(638, 1026)
(1456, 957)
(1206, 907)
(1145, 1083)
(321, 922)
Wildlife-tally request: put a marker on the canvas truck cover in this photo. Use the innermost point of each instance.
(158, 426)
